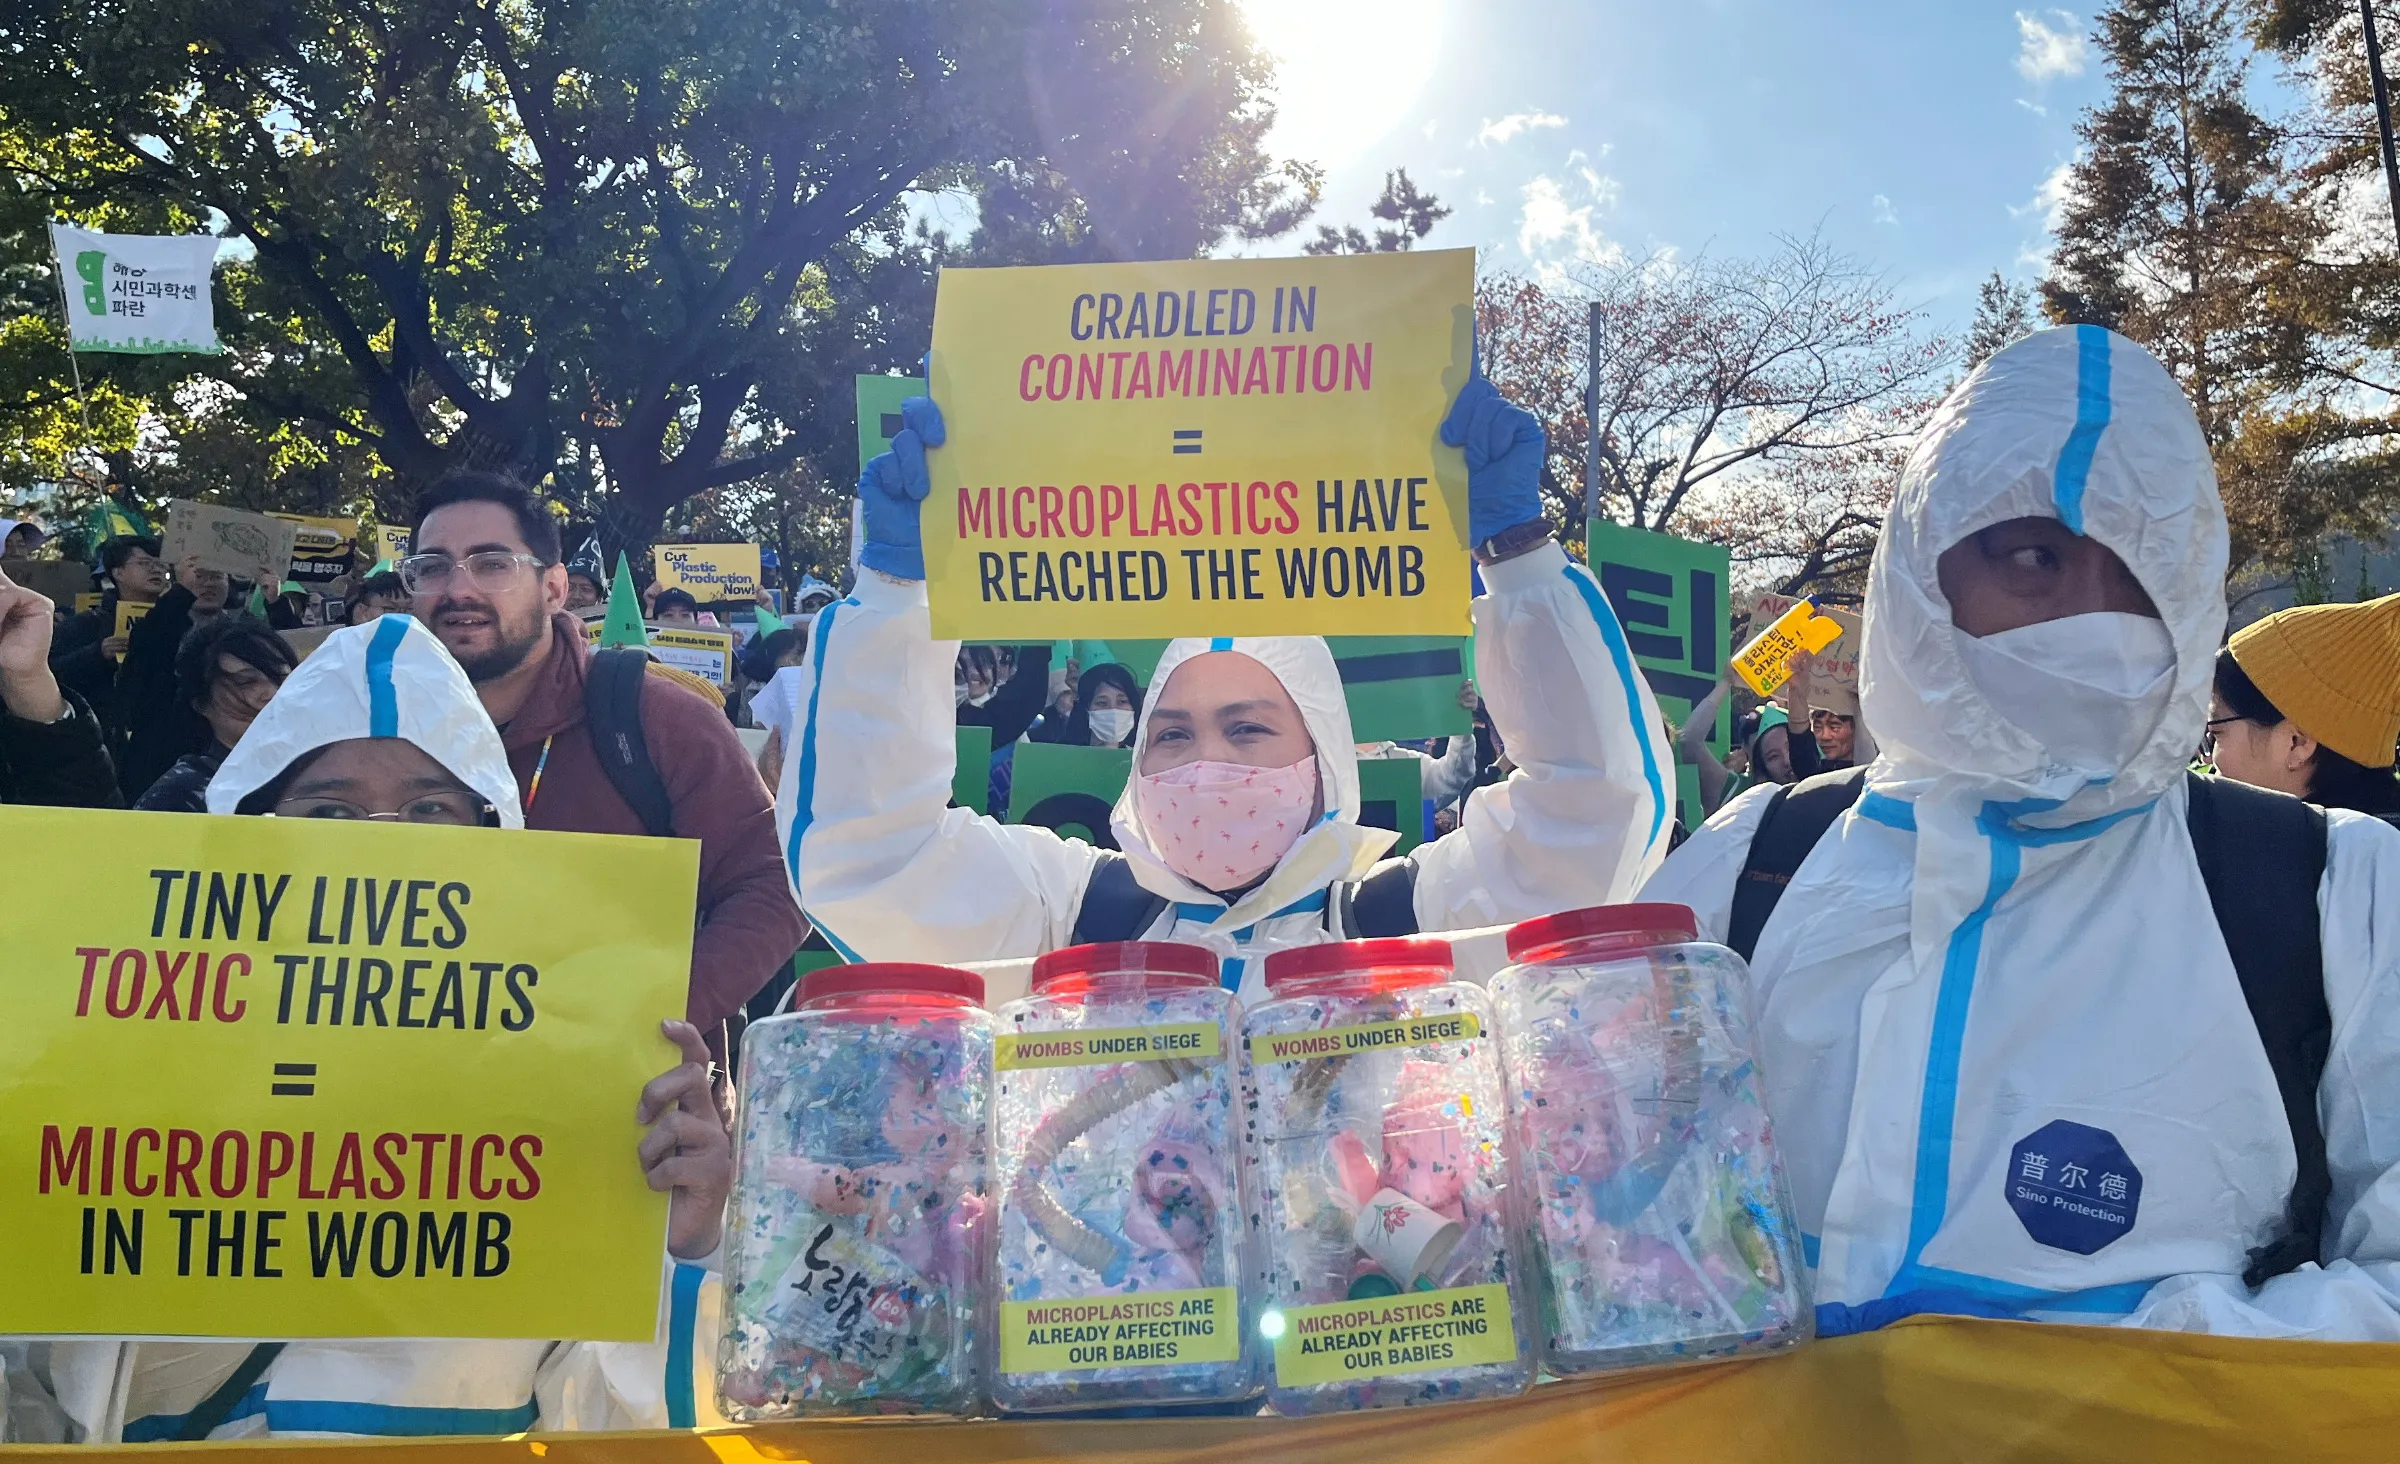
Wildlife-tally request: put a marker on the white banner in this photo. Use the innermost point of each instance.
(137, 293)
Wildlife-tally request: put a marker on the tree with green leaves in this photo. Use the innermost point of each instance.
(2201, 227)
(2003, 316)
(1408, 214)
(647, 241)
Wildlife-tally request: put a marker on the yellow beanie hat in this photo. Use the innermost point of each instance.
(699, 686)
(2334, 670)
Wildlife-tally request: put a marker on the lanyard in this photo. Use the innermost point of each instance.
(533, 789)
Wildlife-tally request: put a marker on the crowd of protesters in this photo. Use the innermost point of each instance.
(2031, 660)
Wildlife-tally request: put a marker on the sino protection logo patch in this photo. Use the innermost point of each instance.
(2073, 1187)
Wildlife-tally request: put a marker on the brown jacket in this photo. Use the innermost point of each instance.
(748, 923)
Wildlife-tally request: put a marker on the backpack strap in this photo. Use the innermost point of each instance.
(1115, 906)
(219, 1405)
(612, 704)
(1378, 907)
(2262, 856)
(1797, 816)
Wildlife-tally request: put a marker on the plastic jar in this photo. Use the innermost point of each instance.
(1657, 1210)
(1117, 1173)
(855, 1237)
(1379, 1187)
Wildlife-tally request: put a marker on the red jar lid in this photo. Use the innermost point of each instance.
(1415, 960)
(889, 978)
(1647, 924)
(1182, 964)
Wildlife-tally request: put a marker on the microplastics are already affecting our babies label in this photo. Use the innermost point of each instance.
(1342, 1341)
(1368, 1037)
(1151, 1329)
(1105, 1044)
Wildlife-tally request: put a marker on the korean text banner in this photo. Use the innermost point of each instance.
(1210, 447)
(137, 293)
(297, 1078)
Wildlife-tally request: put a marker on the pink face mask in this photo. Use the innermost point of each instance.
(1222, 825)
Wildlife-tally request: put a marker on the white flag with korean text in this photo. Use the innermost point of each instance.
(138, 293)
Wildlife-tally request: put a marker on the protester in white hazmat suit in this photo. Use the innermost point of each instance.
(2011, 1064)
(1245, 741)
(381, 721)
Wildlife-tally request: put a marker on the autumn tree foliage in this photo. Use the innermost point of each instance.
(1764, 403)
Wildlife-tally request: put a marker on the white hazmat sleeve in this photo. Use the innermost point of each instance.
(1586, 816)
(884, 868)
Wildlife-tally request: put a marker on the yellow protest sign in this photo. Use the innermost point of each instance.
(1461, 1326)
(1200, 447)
(708, 572)
(1153, 1329)
(129, 611)
(391, 542)
(299, 1078)
(707, 654)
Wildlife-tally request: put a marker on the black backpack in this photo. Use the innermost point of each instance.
(1116, 907)
(612, 705)
(2261, 855)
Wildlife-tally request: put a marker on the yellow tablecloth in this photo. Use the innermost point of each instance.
(1931, 1388)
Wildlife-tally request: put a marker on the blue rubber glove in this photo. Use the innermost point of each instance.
(892, 489)
(1504, 446)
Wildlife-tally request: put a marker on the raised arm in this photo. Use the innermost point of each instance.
(1584, 819)
(884, 868)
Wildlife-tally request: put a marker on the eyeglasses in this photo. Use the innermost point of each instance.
(430, 808)
(493, 569)
(2208, 735)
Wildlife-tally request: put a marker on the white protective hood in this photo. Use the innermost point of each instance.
(2077, 424)
(1337, 848)
(388, 678)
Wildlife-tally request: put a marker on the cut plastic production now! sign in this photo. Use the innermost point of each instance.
(298, 1078)
(1213, 447)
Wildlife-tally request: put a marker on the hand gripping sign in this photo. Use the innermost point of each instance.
(304, 1078)
(1210, 447)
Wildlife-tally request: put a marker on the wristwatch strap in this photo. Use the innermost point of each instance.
(1513, 541)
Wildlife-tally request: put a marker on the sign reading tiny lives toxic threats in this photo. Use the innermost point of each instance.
(1211, 447)
(299, 1078)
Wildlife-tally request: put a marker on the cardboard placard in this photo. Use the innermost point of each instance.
(279, 1077)
(879, 399)
(1670, 596)
(391, 542)
(1068, 790)
(252, 546)
(1401, 688)
(57, 580)
(710, 573)
(1837, 664)
(1201, 447)
(971, 779)
(707, 654)
(324, 551)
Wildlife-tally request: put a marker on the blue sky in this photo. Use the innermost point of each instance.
(1921, 136)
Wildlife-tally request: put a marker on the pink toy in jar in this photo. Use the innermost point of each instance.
(1379, 1186)
(1117, 1178)
(855, 1235)
(1658, 1215)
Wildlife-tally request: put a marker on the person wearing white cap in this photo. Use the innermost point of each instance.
(2050, 1027)
(1239, 829)
(380, 724)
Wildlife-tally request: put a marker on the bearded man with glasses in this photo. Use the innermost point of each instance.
(488, 580)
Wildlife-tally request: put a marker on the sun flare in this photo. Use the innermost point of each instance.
(1347, 71)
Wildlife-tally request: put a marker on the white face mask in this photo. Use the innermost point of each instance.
(1110, 725)
(2089, 688)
